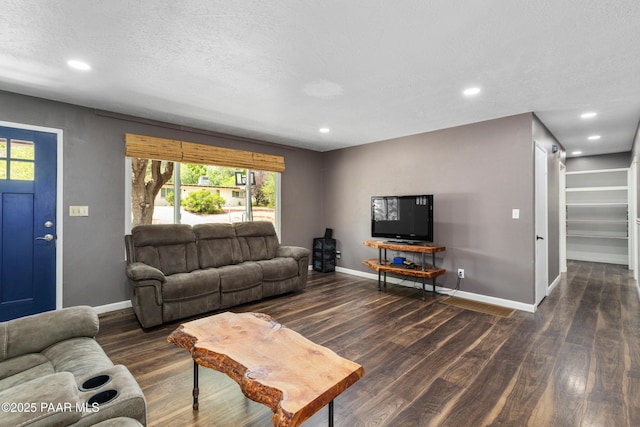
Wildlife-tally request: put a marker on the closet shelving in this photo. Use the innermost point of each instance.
(597, 215)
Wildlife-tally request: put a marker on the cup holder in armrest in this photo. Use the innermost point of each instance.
(95, 382)
(103, 397)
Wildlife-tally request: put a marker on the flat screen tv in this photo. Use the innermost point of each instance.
(406, 218)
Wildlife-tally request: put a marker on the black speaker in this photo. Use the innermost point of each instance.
(328, 233)
(324, 255)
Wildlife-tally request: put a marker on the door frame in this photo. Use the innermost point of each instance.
(59, 206)
(563, 218)
(632, 215)
(537, 299)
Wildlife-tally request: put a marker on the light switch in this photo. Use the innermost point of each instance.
(515, 214)
(78, 210)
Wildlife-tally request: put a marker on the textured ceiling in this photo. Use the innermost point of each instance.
(369, 70)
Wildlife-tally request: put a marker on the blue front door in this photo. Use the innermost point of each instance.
(27, 222)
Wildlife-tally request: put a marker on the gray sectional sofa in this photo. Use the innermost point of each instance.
(54, 373)
(178, 271)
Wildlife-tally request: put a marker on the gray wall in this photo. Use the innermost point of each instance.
(93, 153)
(478, 173)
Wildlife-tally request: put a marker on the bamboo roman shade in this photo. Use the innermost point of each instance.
(149, 147)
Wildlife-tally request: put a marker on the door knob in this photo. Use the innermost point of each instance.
(539, 237)
(47, 237)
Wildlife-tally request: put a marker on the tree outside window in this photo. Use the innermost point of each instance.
(147, 178)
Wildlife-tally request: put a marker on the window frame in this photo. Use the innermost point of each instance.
(177, 189)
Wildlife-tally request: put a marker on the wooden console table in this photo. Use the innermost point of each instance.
(423, 271)
(272, 364)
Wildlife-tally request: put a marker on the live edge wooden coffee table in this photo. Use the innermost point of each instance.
(272, 364)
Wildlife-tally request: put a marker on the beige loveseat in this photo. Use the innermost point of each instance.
(177, 271)
(54, 373)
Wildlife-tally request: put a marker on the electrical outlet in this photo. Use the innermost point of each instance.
(338, 254)
(461, 273)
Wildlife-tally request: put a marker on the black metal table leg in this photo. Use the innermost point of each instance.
(379, 263)
(385, 273)
(196, 390)
(331, 414)
(423, 279)
(433, 254)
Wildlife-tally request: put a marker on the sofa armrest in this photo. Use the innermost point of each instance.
(295, 252)
(146, 293)
(32, 334)
(139, 271)
(301, 255)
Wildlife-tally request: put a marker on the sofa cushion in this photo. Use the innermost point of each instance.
(190, 285)
(161, 234)
(217, 245)
(23, 368)
(32, 334)
(169, 259)
(214, 231)
(240, 284)
(171, 248)
(258, 240)
(278, 269)
(239, 277)
(79, 356)
(46, 393)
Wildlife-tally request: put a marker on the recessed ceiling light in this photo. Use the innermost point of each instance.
(78, 65)
(593, 137)
(324, 130)
(576, 153)
(588, 115)
(471, 91)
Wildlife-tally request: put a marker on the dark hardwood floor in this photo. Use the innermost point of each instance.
(575, 362)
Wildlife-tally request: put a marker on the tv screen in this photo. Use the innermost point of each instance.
(402, 217)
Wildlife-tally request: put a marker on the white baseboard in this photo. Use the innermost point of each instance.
(553, 284)
(531, 308)
(395, 281)
(101, 309)
(516, 305)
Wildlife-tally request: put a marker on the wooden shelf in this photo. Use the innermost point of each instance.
(404, 247)
(387, 267)
(424, 271)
